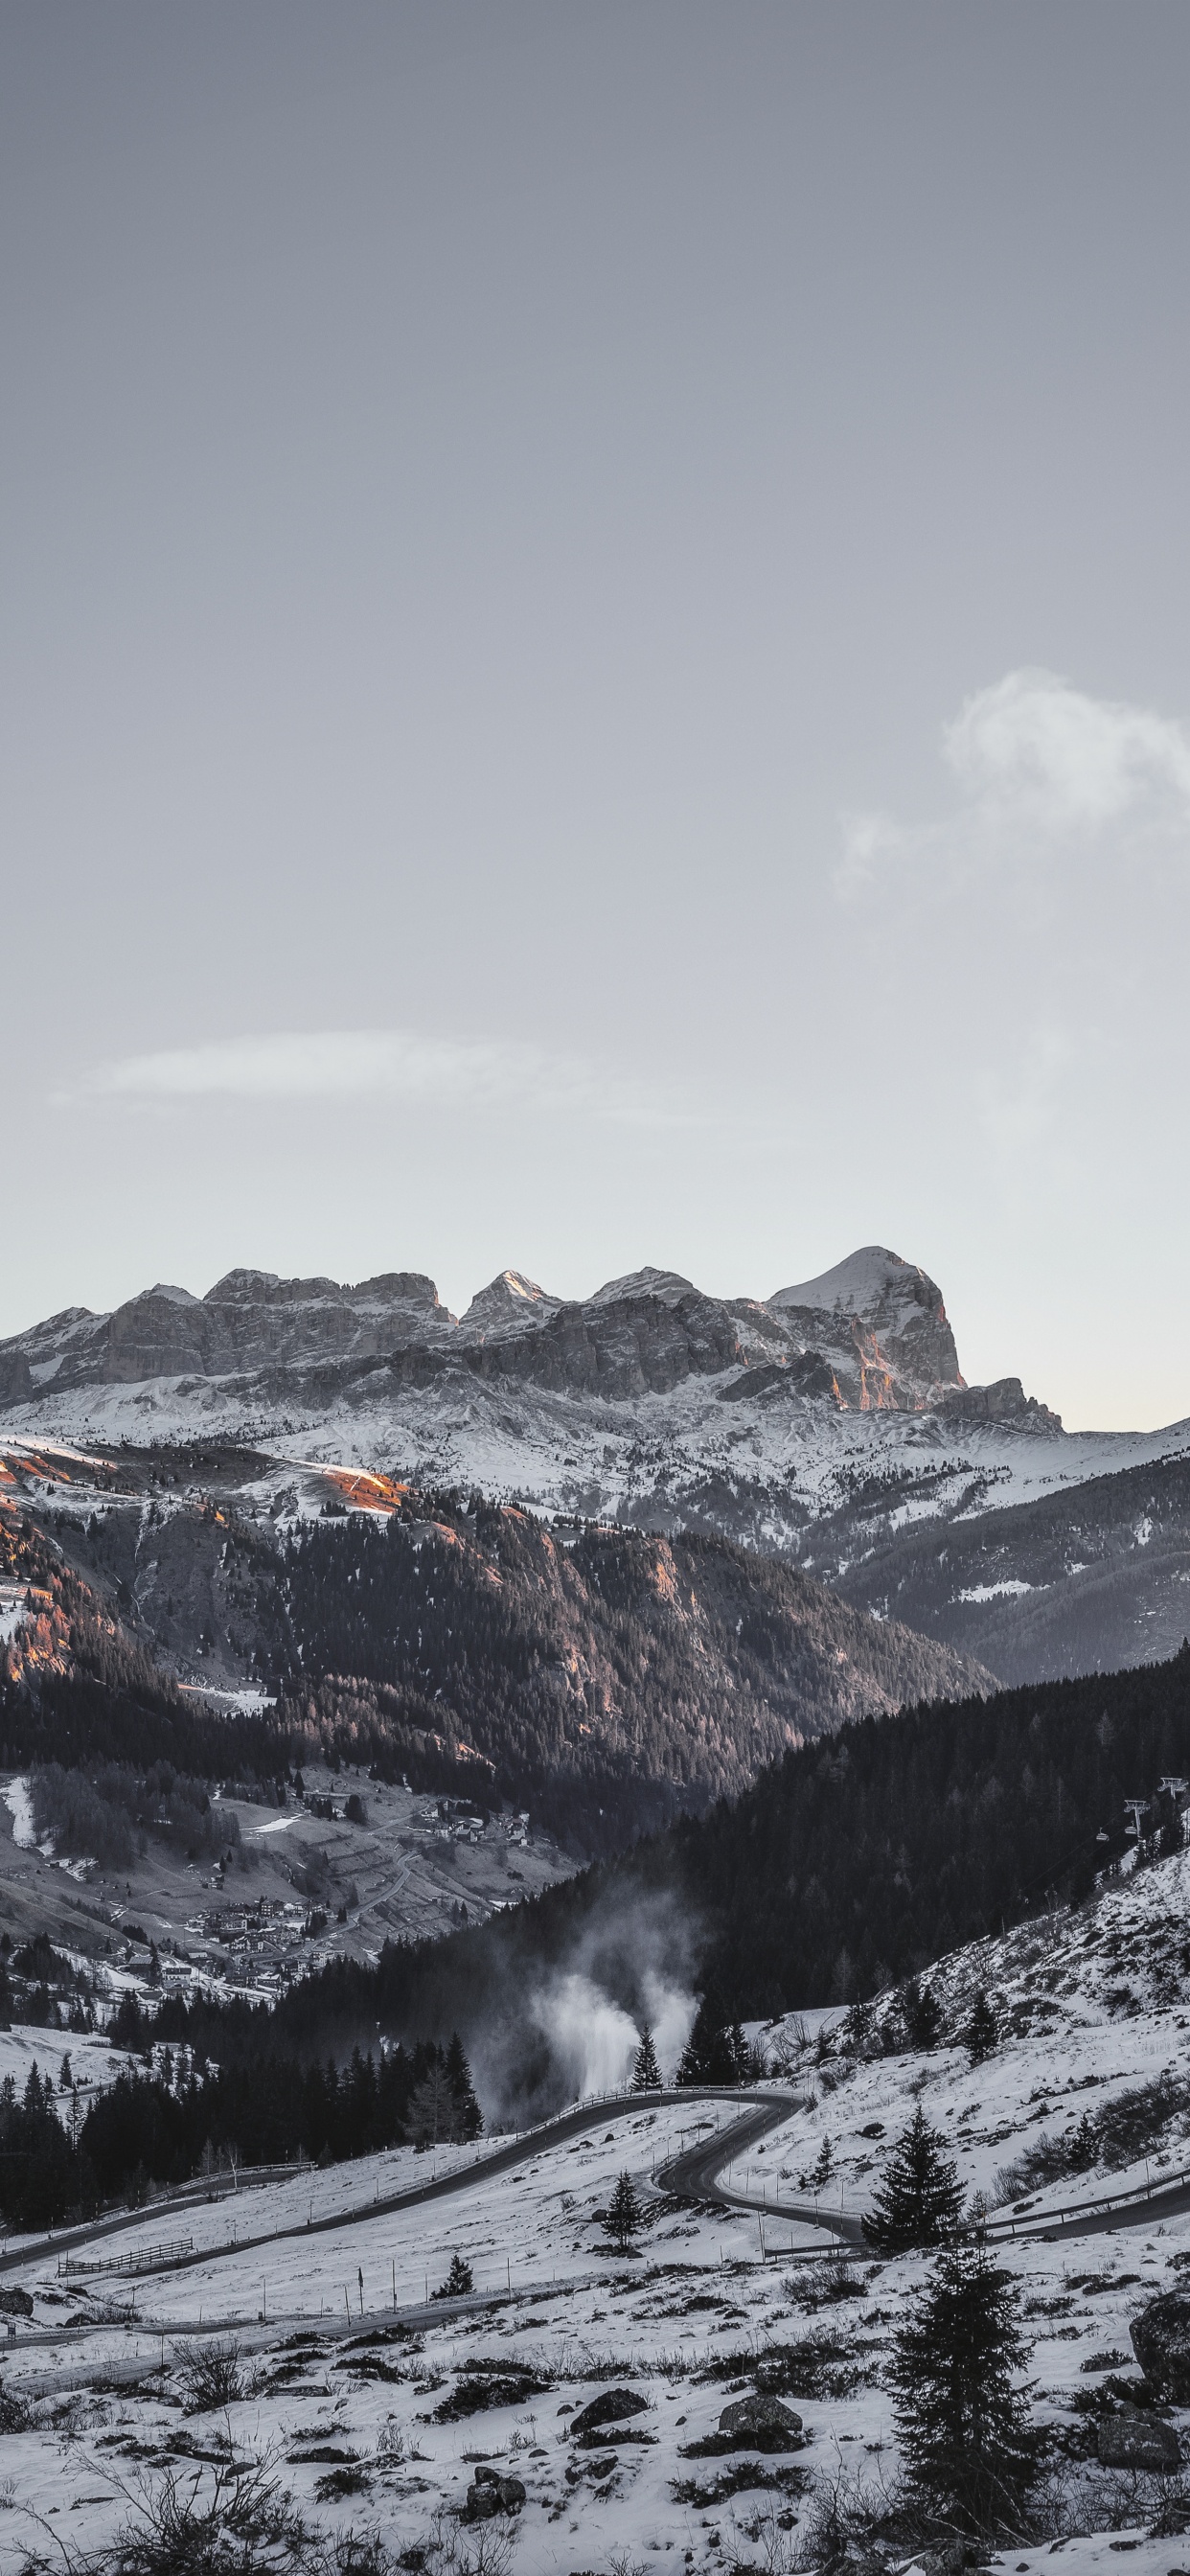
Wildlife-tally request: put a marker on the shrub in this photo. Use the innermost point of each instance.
(209, 2376)
(239, 2524)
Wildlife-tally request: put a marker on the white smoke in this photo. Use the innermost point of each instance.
(592, 2039)
(670, 2014)
(595, 2041)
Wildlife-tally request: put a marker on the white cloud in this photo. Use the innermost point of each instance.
(1034, 748)
(1039, 764)
(329, 1065)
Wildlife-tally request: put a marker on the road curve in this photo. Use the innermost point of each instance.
(767, 2108)
(692, 2175)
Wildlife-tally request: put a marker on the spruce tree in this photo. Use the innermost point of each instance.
(623, 2217)
(467, 2118)
(698, 2055)
(646, 2074)
(963, 2425)
(982, 2035)
(459, 2282)
(429, 2120)
(919, 2200)
(921, 2015)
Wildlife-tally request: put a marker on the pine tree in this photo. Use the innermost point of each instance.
(623, 2217)
(919, 2200)
(982, 2035)
(429, 2119)
(858, 2024)
(646, 2074)
(819, 2178)
(467, 2121)
(694, 2065)
(922, 2018)
(963, 2425)
(459, 2282)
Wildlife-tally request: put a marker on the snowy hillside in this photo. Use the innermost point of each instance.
(374, 2410)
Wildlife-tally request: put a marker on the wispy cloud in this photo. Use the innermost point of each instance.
(362, 1065)
(1039, 764)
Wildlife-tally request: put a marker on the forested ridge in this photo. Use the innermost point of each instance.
(606, 1679)
(848, 1865)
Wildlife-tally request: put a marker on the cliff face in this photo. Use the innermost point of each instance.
(882, 1323)
(876, 1328)
(249, 1321)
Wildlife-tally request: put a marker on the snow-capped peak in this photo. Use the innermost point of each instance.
(668, 1285)
(856, 1286)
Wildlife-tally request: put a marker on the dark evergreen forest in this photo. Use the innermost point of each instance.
(848, 1866)
(607, 1680)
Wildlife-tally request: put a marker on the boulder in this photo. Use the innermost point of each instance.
(490, 2494)
(760, 2421)
(1131, 2440)
(615, 2405)
(1161, 2342)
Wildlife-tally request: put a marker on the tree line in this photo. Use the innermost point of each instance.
(169, 2118)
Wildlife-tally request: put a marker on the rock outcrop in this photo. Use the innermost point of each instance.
(761, 2424)
(490, 2494)
(1132, 2440)
(1161, 2342)
(1004, 1400)
(615, 2406)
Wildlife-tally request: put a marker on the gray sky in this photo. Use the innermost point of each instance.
(595, 654)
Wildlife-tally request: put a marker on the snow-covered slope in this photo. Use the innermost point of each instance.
(360, 2398)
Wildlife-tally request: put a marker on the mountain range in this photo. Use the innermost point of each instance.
(828, 1422)
(871, 1333)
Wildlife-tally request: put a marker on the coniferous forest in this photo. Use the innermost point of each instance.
(610, 1680)
(849, 1866)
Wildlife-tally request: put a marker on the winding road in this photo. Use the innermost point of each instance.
(693, 2175)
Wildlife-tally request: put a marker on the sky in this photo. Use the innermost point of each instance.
(594, 663)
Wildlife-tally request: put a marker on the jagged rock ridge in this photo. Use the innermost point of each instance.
(871, 1334)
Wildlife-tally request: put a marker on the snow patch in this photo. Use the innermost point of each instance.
(20, 1807)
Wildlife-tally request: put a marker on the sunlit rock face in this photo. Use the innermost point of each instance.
(882, 1323)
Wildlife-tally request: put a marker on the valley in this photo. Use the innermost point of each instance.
(393, 1705)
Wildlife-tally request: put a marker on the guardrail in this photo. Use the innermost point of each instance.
(1026, 2222)
(144, 2258)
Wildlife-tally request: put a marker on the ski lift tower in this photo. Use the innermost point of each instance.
(1174, 1787)
(1136, 1808)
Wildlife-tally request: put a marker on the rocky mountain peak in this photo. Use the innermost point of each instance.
(882, 1323)
(509, 1304)
(667, 1285)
